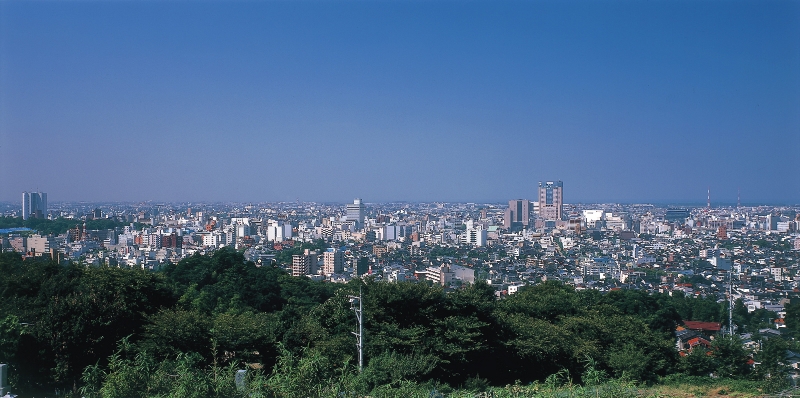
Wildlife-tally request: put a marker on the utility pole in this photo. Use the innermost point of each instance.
(357, 306)
(730, 300)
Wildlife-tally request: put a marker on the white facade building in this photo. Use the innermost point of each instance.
(474, 236)
(355, 212)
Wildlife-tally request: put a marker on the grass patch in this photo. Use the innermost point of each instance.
(698, 386)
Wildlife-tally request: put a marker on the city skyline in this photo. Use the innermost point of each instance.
(493, 202)
(428, 101)
(497, 201)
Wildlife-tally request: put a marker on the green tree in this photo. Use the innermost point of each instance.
(10, 332)
(170, 332)
(731, 357)
(698, 362)
(209, 283)
(772, 365)
(82, 324)
(132, 373)
(549, 300)
(536, 348)
(793, 317)
(467, 336)
(659, 315)
(392, 369)
(631, 362)
(741, 317)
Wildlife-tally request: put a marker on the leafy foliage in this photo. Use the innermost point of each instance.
(185, 330)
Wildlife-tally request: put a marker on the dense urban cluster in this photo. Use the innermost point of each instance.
(602, 246)
(699, 260)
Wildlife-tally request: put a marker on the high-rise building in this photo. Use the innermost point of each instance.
(34, 204)
(355, 213)
(26, 205)
(772, 222)
(304, 264)
(474, 236)
(518, 213)
(333, 262)
(362, 266)
(278, 231)
(301, 265)
(551, 200)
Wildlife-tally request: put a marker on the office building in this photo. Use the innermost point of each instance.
(355, 213)
(278, 231)
(34, 204)
(551, 200)
(518, 214)
(772, 222)
(678, 215)
(39, 245)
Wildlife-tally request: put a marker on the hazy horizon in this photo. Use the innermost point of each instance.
(477, 202)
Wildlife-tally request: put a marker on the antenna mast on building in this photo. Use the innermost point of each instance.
(738, 198)
(356, 305)
(708, 204)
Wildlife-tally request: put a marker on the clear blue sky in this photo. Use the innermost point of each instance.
(457, 101)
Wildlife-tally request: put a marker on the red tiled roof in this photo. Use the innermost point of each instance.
(697, 340)
(705, 326)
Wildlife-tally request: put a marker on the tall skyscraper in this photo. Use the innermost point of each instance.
(355, 212)
(551, 200)
(518, 213)
(34, 204)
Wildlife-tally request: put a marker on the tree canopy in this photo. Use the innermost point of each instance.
(96, 327)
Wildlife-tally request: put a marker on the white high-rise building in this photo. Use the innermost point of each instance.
(474, 236)
(355, 213)
(213, 239)
(278, 231)
(34, 204)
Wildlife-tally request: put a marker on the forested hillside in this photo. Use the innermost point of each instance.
(126, 332)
